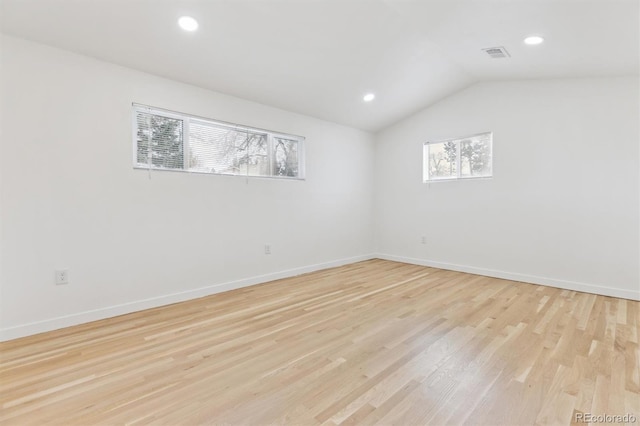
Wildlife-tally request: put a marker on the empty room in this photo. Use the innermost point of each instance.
(319, 212)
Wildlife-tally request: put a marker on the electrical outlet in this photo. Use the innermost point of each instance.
(62, 276)
(423, 240)
(267, 249)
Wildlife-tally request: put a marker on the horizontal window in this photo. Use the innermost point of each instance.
(174, 141)
(461, 158)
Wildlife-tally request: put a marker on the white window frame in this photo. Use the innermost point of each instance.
(426, 178)
(186, 119)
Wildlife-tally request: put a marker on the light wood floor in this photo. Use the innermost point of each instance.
(375, 342)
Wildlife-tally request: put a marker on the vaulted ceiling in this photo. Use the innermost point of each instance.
(319, 57)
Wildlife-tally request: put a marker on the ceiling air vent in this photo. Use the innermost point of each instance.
(497, 52)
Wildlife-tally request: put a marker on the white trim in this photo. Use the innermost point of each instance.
(186, 149)
(514, 276)
(29, 329)
(196, 172)
(460, 138)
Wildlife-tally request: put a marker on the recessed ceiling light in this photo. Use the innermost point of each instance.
(187, 23)
(369, 97)
(533, 40)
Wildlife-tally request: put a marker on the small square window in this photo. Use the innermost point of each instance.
(462, 158)
(160, 141)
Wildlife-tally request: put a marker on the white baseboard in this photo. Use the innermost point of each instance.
(29, 329)
(513, 276)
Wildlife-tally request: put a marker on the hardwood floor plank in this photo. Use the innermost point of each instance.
(376, 342)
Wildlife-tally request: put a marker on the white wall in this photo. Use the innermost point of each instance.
(71, 198)
(562, 207)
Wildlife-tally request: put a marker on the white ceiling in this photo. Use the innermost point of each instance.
(319, 57)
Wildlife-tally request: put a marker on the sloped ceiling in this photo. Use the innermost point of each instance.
(319, 57)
